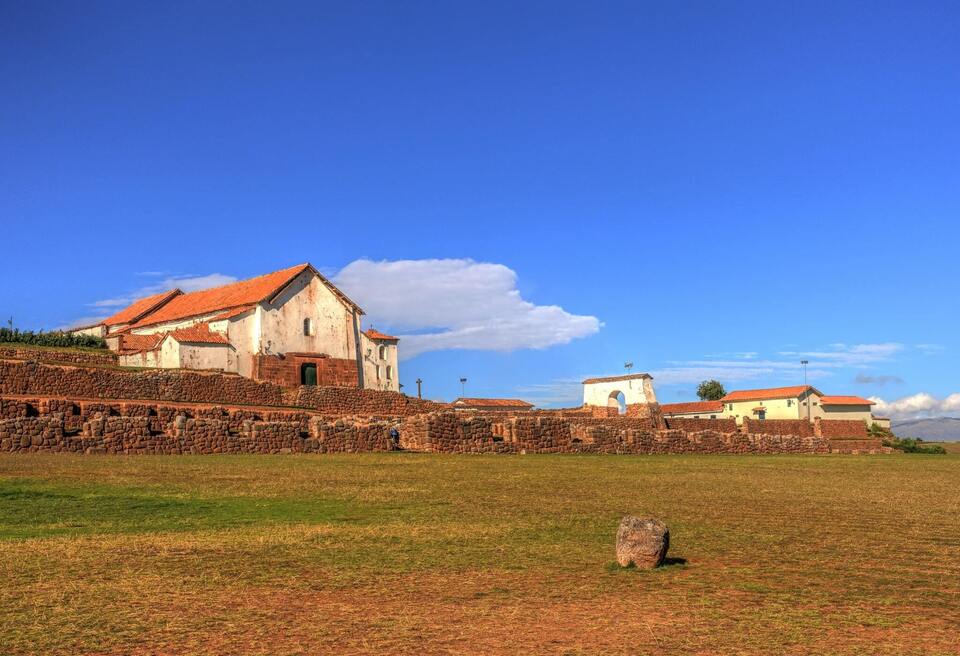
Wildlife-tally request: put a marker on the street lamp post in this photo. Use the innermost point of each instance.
(463, 387)
(805, 363)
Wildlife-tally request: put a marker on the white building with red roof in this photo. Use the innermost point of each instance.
(291, 327)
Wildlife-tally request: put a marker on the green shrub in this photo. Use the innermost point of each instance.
(914, 445)
(56, 338)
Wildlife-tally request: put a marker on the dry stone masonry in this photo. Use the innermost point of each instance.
(105, 409)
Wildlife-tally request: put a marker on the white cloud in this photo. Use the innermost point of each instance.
(188, 283)
(843, 355)
(746, 366)
(457, 304)
(916, 405)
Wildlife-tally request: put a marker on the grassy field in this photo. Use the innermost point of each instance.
(414, 554)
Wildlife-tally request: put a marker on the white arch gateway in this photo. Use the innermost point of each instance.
(604, 392)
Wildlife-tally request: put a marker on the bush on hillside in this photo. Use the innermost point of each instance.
(914, 445)
(56, 338)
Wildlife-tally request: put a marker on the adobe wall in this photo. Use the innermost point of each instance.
(726, 425)
(33, 378)
(58, 356)
(284, 369)
(346, 401)
(800, 427)
(841, 428)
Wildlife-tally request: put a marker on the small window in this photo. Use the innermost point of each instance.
(383, 353)
(308, 327)
(389, 372)
(730, 407)
(378, 372)
(789, 403)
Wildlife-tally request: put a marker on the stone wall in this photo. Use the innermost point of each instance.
(447, 432)
(33, 378)
(137, 435)
(841, 428)
(346, 401)
(284, 369)
(58, 356)
(726, 425)
(800, 427)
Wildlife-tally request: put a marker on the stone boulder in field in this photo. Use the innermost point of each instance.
(643, 542)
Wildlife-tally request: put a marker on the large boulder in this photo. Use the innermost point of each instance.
(642, 542)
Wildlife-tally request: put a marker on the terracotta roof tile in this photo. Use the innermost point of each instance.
(229, 314)
(770, 393)
(199, 334)
(230, 297)
(691, 406)
(373, 333)
(140, 307)
(489, 403)
(845, 400)
(131, 343)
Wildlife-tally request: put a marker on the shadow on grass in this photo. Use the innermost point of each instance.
(668, 563)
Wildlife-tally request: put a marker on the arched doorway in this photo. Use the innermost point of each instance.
(617, 400)
(308, 374)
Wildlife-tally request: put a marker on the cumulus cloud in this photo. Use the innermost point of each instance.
(457, 304)
(867, 379)
(916, 406)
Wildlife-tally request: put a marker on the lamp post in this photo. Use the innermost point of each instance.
(463, 387)
(807, 401)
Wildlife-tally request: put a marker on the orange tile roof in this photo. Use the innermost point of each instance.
(130, 343)
(233, 296)
(489, 403)
(229, 314)
(845, 400)
(614, 379)
(770, 393)
(373, 333)
(691, 406)
(199, 334)
(140, 307)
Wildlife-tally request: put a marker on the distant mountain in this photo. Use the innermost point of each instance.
(936, 429)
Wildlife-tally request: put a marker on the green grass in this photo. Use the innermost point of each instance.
(402, 553)
(98, 350)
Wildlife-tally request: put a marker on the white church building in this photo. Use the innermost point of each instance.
(292, 327)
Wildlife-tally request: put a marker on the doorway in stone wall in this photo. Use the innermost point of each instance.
(308, 374)
(618, 401)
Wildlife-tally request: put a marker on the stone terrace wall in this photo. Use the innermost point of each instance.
(841, 428)
(118, 427)
(446, 432)
(33, 378)
(690, 424)
(136, 435)
(347, 401)
(800, 427)
(59, 356)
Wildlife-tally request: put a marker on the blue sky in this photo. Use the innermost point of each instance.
(531, 193)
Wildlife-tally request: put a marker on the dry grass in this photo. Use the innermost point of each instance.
(400, 553)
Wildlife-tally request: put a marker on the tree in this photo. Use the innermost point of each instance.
(711, 390)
